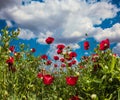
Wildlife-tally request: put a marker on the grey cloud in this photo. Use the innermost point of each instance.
(8, 3)
(68, 20)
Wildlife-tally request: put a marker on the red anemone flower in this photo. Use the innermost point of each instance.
(74, 98)
(62, 59)
(72, 80)
(56, 58)
(49, 40)
(33, 50)
(70, 64)
(48, 79)
(40, 75)
(104, 44)
(59, 51)
(73, 62)
(69, 58)
(45, 57)
(48, 62)
(86, 45)
(73, 54)
(12, 48)
(10, 60)
(63, 65)
(55, 65)
(60, 46)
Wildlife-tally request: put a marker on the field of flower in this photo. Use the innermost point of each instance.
(24, 76)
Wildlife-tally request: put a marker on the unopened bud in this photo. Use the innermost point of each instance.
(110, 80)
(6, 44)
(93, 96)
(6, 93)
(77, 73)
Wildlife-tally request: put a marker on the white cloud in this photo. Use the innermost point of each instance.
(116, 49)
(74, 46)
(66, 20)
(9, 23)
(26, 34)
(112, 33)
(38, 17)
(42, 36)
(86, 53)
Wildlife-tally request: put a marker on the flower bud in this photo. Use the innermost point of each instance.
(104, 76)
(14, 85)
(110, 80)
(6, 32)
(88, 81)
(5, 93)
(106, 67)
(77, 73)
(6, 44)
(60, 99)
(31, 86)
(24, 97)
(93, 96)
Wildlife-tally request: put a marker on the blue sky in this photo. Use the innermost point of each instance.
(66, 20)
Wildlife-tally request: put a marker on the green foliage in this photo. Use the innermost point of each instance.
(97, 80)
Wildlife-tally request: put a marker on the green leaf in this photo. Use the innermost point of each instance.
(118, 94)
(113, 63)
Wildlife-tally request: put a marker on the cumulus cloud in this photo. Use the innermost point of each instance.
(9, 3)
(86, 53)
(9, 23)
(116, 49)
(52, 51)
(74, 46)
(38, 17)
(26, 34)
(68, 19)
(112, 33)
(42, 36)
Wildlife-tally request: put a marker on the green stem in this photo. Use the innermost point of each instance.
(113, 64)
(119, 94)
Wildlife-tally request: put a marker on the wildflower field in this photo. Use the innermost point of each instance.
(24, 76)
